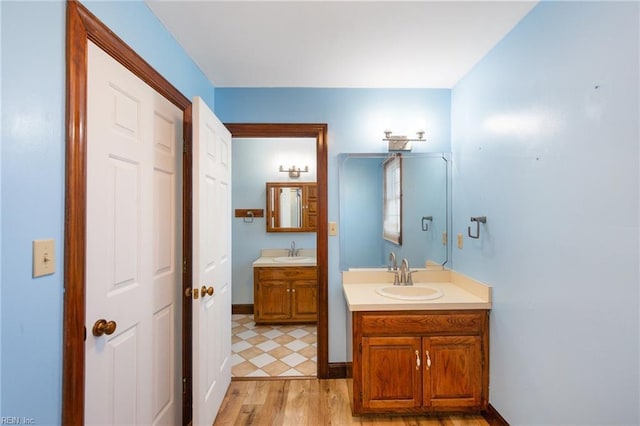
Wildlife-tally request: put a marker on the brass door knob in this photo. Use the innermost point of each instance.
(102, 326)
(204, 290)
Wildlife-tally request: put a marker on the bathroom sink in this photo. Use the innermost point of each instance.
(293, 259)
(411, 292)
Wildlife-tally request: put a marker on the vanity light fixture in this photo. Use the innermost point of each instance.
(294, 172)
(401, 142)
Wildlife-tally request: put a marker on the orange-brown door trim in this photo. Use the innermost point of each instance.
(81, 27)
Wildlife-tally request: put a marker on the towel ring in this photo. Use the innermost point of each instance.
(425, 222)
(478, 220)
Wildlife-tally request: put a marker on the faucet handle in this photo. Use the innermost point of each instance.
(410, 277)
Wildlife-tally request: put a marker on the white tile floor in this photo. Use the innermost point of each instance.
(272, 350)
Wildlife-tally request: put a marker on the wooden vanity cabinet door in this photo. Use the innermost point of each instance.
(271, 300)
(391, 373)
(304, 300)
(453, 378)
(285, 294)
(453, 375)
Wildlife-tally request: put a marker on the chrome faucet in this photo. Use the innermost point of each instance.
(293, 251)
(405, 273)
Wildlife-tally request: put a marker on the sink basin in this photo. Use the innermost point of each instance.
(412, 292)
(293, 259)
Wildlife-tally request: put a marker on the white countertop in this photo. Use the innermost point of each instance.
(268, 256)
(459, 292)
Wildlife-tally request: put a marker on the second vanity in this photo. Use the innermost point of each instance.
(418, 356)
(285, 288)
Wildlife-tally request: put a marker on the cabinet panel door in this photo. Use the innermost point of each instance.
(272, 300)
(310, 207)
(453, 377)
(391, 372)
(304, 300)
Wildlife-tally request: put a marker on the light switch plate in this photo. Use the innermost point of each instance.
(333, 229)
(44, 257)
(460, 241)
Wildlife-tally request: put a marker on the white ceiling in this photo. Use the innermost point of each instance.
(376, 44)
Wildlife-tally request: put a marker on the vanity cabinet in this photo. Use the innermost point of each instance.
(420, 361)
(285, 294)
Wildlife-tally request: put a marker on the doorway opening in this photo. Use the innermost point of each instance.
(318, 132)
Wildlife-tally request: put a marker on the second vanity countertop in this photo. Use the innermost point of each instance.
(305, 257)
(459, 291)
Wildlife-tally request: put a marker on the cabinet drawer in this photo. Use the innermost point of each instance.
(286, 273)
(423, 323)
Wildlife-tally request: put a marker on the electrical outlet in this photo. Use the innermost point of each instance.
(460, 241)
(444, 238)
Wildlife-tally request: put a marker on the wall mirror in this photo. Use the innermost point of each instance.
(292, 207)
(425, 213)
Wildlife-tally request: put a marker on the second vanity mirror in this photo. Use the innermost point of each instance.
(425, 212)
(292, 207)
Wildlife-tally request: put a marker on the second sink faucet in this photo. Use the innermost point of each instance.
(293, 251)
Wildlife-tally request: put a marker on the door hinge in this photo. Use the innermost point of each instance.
(184, 265)
(184, 148)
(184, 385)
(360, 347)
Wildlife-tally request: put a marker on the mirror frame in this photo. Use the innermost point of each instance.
(318, 131)
(273, 208)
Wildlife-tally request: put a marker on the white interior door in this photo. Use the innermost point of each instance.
(211, 263)
(134, 153)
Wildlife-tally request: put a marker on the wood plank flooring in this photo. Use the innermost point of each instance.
(312, 402)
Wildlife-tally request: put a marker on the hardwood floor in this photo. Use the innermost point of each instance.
(311, 402)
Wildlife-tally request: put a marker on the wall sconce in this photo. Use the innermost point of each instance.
(293, 171)
(401, 142)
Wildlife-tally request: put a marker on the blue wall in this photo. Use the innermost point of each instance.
(545, 141)
(356, 120)
(32, 177)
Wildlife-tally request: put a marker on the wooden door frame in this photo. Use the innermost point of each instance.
(81, 27)
(319, 133)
